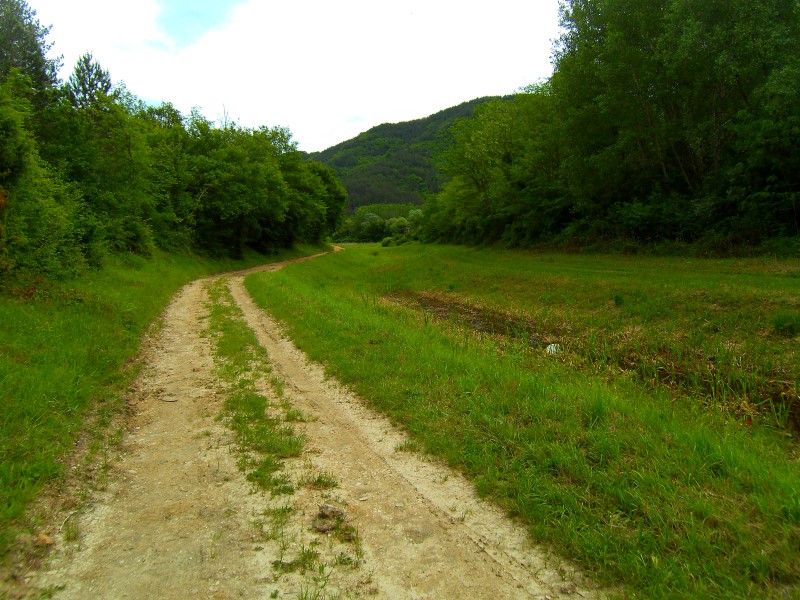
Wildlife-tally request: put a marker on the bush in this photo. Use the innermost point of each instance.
(40, 235)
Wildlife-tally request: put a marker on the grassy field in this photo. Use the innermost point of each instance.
(653, 444)
(67, 354)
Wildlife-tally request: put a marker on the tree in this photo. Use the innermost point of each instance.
(37, 210)
(242, 197)
(766, 183)
(102, 148)
(651, 93)
(173, 219)
(334, 195)
(16, 142)
(504, 174)
(87, 82)
(23, 45)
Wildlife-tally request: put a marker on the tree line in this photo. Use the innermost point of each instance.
(87, 169)
(391, 224)
(664, 121)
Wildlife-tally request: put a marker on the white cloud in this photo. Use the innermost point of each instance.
(117, 30)
(327, 70)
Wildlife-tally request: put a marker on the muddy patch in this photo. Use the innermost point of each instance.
(519, 328)
(694, 374)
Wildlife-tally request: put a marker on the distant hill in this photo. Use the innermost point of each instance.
(394, 163)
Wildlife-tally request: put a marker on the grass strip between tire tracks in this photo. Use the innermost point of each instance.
(262, 435)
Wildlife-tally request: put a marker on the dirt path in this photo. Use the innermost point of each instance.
(179, 520)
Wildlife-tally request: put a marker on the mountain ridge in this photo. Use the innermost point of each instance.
(395, 163)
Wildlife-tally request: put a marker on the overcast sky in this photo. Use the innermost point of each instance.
(326, 69)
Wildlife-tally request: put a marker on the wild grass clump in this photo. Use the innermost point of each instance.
(319, 481)
(786, 323)
(662, 490)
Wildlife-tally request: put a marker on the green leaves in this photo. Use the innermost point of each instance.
(23, 46)
(37, 231)
(88, 81)
(664, 120)
(16, 142)
(87, 169)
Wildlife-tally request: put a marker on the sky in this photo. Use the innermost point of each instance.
(326, 69)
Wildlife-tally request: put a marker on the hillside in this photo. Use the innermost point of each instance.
(394, 163)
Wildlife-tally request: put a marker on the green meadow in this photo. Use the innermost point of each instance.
(638, 415)
(68, 351)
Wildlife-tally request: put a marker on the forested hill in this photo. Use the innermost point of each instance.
(394, 163)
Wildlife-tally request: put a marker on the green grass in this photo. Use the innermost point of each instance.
(67, 352)
(319, 481)
(786, 323)
(672, 486)
(262, 437)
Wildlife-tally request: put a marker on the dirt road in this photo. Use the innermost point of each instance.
(179, 520)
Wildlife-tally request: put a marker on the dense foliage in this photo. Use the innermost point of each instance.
(87, 169)
(395, 163)
(392, 224)
(665, 120)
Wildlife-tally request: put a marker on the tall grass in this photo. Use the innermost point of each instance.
(644, 484)
(68, 349)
